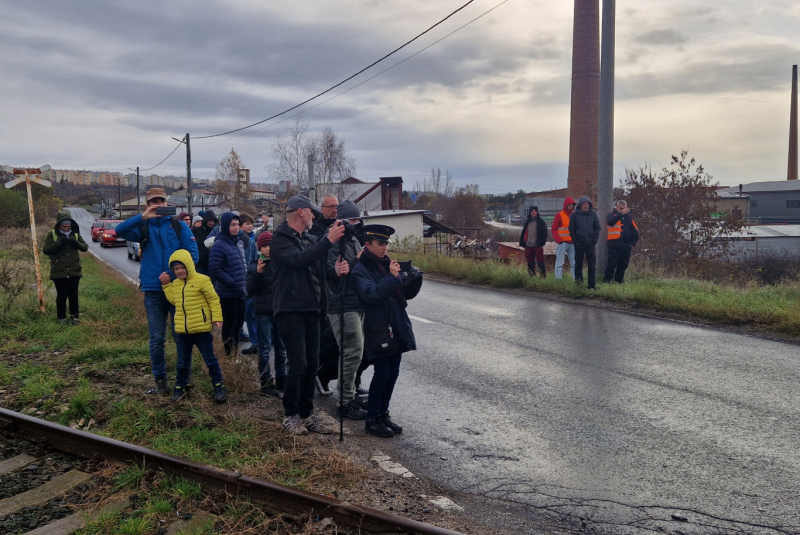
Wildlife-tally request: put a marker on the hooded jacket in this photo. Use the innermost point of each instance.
(296, 268)
(201, 233)
(64, 250)
(196, 303)
(584, 227)
(349, 297)
(226, 261)
(538, 226)
(558, 220)
(162, 243)
(259, 287)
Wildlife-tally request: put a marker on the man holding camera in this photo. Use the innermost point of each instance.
(298, 302)
(342, 299)
(159, 235)
(623, 234)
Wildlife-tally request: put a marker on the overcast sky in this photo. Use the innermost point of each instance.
(104, 85)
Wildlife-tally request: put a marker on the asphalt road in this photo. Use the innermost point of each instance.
(116, 256)
(554, 415)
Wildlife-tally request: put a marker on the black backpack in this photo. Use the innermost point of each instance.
(144, 232)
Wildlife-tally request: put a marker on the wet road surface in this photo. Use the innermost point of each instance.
(618, 419)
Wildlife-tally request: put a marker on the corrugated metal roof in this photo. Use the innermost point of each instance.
(769, 186)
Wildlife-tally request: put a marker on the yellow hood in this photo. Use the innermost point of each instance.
(184, 257)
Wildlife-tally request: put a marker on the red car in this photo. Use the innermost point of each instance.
(108, 237)
(97, 229)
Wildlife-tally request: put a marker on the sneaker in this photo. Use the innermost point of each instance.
(294, 425)
(220, 394)
(268, 388)
(252, 350)
(243, 336)
(76, 321)
(190, 380)
(385, 420)
(375, 427)
(63, 321)
(279, 383)
(161, 387)
(314, 424)
(352, 411)
(178, 393)
(361, 393)
(323, 387)
(361, 402)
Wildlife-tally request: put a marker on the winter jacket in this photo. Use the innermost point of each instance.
(162, 243)
(250, 249)
(561, 220)
(296, 267)
(196, 303)
(584, 227)
(377, 293)
(201, 234)
(629, 236)
(540, 229)
(227, 266)
(320, 227)
(334, 282)
(259, 287)
(64, 250)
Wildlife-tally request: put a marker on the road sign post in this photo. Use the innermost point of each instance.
(47, 184)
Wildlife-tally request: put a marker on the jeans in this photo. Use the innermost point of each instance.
(205, 344)
(158, 308)
(384, 377)
(562, 249)
(232, 321)
(267, 337)
(618, 260)
(250, 318)
(589, 252)
(300, 334)
(352, 348)
(67, 289)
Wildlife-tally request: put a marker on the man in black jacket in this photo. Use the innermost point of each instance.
(584, 229)
(533, 238)
(342, 297)
(298, 300)
(200, 235)
(623, 234)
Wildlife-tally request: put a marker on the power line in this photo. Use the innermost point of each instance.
(363, 82)
(343, 81)
(164, 160)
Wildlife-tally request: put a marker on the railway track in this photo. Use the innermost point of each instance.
(281, 497)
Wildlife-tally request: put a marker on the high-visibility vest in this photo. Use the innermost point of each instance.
(563, 230)
(615, 231)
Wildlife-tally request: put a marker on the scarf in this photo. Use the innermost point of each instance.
(383, 268)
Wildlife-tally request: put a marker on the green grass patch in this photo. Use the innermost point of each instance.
(81, 404)
(133, 420)
(5, 374)
(130, 477)
(216, 446)
(36, 381)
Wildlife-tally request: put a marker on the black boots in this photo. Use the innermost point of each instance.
(352, 410)
(178, 393)
(161, 387)
(542, 269)
(385, 420)
(532, 269)
(220, 394)
(382, 426)
(268, 388)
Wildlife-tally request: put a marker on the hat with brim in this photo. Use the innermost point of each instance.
(155, 193)
(378, 232)
(301, 201)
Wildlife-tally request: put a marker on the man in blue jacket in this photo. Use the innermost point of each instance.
(159, 237)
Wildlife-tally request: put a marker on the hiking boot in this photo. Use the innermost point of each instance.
(385, 420)
(361, 393)
(352, 411)
(315, 425)
(161, 387)
(178, 393)
(252, 350)
(375, 427)
(279, 383)
(361, 402)
(190, 380)
(268, 388)
(294, 425)
(323, 387)
(220, 394)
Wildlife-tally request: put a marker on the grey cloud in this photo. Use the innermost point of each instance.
(662, 37)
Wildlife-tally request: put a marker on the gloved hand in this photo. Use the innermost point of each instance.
(73, 240)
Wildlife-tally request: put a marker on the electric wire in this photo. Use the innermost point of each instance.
(360, 83)
(164, 160)
(343, 81)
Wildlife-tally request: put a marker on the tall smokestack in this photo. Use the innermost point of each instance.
(585, 110)
(792, 173)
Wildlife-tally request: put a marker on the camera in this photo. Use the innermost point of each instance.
(409, 271)
(166, 210)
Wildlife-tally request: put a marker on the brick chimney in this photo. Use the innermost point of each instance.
(792, 173)
(585, 108)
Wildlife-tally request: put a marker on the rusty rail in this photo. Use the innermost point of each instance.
(280, 496)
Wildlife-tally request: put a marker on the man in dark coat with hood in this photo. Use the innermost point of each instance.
(200, 234)
(533, 238)
(584, 229)
(63, 245)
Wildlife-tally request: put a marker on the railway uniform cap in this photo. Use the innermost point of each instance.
(380, 232)
(301, 201)
(155, 193)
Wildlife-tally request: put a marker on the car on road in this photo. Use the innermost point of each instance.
(97, 229)
(108, 237)
(134, 250)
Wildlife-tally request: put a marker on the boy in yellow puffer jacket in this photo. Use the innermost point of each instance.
(196, 309)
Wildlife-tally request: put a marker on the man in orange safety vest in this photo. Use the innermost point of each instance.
(623, 234)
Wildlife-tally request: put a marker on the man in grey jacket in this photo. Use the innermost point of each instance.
(584, 229)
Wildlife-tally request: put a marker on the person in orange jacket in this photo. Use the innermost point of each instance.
(560, 232)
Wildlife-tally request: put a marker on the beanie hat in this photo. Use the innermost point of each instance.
(196, 218)
(182, 215)
(264, 238)
(348, 210)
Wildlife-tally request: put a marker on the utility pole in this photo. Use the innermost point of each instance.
(138, 193)
(605, 167)
(188, 175)
(312, 185)
(119, 196)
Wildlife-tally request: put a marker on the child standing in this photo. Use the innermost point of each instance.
(196, 309)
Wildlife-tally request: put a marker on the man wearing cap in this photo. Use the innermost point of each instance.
(201, 234)
(342, 299)
(298, 302)
(161, 240)
(326, 218)
(384, 292)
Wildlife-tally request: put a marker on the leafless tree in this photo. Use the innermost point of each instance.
(227, 178)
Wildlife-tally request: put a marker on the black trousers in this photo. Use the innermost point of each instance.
(300, 334)
(232, 321)
(588, 251)
(67, 289)
(618, 260)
